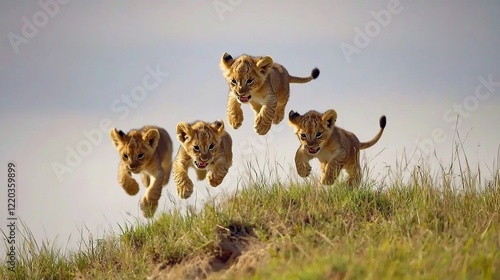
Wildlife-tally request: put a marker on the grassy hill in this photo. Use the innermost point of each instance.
(423, 227)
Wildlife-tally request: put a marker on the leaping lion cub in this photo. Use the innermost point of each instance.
(334, 147)
(207, 147)
(147, 151)
(262, 83)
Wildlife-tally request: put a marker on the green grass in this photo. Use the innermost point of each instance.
(426, 226)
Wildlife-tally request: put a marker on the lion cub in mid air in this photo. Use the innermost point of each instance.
(147, 151)
(334, 147)
(207, 147)
(262, 83)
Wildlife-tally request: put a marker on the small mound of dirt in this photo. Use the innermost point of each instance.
(235, 249)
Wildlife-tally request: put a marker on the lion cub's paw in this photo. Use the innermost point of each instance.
(186, 190)
(235, 120)
(304, 170)
(213, 180)
(148, 207)
(327, 180)
(131, 186)
(261, 125)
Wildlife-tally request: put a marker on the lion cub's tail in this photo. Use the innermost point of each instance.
(301, 80)
(382, 122)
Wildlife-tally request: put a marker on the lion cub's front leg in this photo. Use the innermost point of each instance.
(125, 179)
(149, 202)
(264, 118)
(180, 171)
(217, 174)
(234, 112)
(302, 163)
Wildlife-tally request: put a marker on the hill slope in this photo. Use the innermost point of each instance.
(419, 229)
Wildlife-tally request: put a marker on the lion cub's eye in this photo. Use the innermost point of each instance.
(303, 136)
(211, 147)
(319, 134)
(233, 81)
(140, 156)
(125, 156)
(249, 81)
(196, 148)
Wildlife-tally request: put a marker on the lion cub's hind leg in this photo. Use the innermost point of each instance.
(354, 176)
(149, 202)
(167, 168)
(280, 112)
(256, 106)
(353, 169)
(330, 172)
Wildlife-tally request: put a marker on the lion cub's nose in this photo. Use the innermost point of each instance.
(204, 157)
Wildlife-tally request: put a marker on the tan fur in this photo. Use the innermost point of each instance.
(334, 147)
(147, 151)
(262, 83)
(202, 143)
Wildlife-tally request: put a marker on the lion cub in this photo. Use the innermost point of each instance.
(147, 151)
(262, 83)
(334, 147)
(207, 147)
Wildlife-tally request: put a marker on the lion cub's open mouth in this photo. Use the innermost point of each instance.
(313, 151)
(201, 164)
(244, 99)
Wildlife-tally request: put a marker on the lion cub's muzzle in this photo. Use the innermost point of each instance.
(312, 150)
(203, 161)
(242, 98)
(134, 169)
(201, 164)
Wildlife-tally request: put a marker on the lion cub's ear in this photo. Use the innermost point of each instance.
(151, 137)
(226, 61)
(116, 136)
(294, 117)
(329, 118)
(183, 131)
(218, 126)
(265, 64)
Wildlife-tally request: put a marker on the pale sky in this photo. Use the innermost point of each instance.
(67, 67)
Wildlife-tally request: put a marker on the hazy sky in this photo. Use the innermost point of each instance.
(68, 66)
